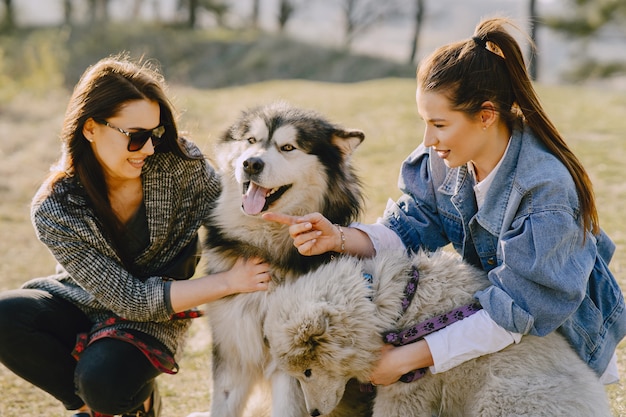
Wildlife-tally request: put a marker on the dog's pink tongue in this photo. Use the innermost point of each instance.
(254, 199)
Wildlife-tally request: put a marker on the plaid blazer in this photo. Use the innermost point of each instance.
(178, 195)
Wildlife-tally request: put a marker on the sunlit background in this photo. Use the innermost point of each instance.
(578, 40)
(353, 60)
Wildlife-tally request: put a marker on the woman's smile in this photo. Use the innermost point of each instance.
(443, 154)
(137, 162)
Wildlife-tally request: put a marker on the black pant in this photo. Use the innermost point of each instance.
(37, 335)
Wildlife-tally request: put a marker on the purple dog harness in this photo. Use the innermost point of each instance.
(418, 331)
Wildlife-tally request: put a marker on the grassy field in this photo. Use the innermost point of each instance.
(593, 121)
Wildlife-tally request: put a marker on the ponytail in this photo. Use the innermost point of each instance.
(490, 67)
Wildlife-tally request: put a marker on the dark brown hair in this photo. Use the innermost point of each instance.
(490, 67)
(101, 92)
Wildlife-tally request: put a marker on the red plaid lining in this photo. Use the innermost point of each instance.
(161, 360)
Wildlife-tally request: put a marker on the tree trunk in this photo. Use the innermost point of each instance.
(349, 9)
(136, 11)
(8, 22)
(285, 10)
(67, 12)
(193, 8)
(255, 13)
(419, 17)
(532, 53)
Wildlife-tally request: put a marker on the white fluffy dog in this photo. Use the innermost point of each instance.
(327, 329)
(289, 160)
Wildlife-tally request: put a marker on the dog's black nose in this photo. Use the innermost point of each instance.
(315, 413)
(253, 166)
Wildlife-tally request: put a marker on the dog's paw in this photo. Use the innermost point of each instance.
(200, 414)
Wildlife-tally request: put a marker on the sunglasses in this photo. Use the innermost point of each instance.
(138, 139)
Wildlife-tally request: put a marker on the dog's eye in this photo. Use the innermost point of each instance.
(251, 140)
(287, 148)
(307, 373)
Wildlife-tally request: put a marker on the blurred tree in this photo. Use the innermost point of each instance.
(136, 10)
(593, 19)
(216, 7)
(286, 8)
(8, 20)
(417, 26)
(362, 15)
(68, 11)
(193, 9)
(588, 17)
(98, 11)
(532, 52)
(256, 10)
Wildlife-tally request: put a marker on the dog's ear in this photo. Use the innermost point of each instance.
(313, 326)
(347, 140)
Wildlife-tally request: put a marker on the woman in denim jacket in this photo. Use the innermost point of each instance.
(494, 178)
(120, 213)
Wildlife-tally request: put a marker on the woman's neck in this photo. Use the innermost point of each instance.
(498, 144)
(125, 198)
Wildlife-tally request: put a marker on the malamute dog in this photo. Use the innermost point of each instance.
(328, 331)
(287, 160)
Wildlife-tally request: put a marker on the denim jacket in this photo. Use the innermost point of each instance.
(546, 272)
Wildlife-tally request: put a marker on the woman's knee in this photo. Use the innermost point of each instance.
(31, 313)
(108, 396)
(11, 303)
(106, 380)
(16, 312)
(98, 390)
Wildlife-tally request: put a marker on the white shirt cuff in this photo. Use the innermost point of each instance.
(381, 236)
(611, 373)
(467, 339)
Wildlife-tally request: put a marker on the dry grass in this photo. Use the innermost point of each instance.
(593, 121)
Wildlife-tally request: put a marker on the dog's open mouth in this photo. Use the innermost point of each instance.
(257, 199)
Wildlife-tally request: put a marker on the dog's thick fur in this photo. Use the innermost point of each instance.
(328, 327)
(290, 161)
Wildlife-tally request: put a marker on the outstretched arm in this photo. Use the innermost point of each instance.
(442, 350)
(247, 275)
(314, 234)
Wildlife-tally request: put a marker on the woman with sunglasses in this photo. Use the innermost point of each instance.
(494, 179)
(120, 212)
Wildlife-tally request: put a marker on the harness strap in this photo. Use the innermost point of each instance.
(410, 289)
(418, 331)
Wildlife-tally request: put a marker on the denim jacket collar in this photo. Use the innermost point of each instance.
(492, 216)
(459, 184)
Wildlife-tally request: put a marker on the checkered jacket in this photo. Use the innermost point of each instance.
(178, 196)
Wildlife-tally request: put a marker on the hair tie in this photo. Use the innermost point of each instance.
(480, 41)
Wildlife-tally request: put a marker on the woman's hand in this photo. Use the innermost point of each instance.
(248, 275)
(397, 361)
(313, 234)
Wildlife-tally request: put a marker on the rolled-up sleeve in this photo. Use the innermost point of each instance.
(542, 278)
